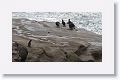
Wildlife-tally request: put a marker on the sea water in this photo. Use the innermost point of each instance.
(91, 21)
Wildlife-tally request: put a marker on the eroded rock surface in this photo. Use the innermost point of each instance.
(52, 44)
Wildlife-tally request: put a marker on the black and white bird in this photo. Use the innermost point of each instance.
(71, 25)
(29, 43)
(63, 22)
(57, 24)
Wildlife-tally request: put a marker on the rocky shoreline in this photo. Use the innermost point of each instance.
(52, 44)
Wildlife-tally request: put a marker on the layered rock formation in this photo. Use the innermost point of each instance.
(52, 44)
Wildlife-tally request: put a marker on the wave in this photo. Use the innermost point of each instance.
(91, 21)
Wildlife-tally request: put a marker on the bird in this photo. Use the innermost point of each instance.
(64, 24)
(57, 24)
(71, 25)
(29, 43)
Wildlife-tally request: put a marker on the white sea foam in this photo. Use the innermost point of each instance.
(87, 20)
(96, 43)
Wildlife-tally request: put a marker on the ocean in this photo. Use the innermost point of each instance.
(91, 21)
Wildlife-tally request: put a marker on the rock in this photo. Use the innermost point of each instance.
(55, 53)
(81, 50)
(52, 44)
(21, 52)
(97, 54)
(72, 57)
(86, 58)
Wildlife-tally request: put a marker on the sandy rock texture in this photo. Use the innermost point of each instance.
(52, 44)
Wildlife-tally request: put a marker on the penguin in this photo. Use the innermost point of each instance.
(64, 25)
(69, 21)
(71, 25)
(29, 43)
(57, 24)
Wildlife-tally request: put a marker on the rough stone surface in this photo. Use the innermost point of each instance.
(51, 44)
